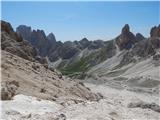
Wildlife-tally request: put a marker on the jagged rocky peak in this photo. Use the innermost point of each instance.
(24, 28)
(155, 31)
(51, 37)
(84, 43)
(139, 36)
(125, 29)
(41, 33)
(38, 39)
(96, 44)
(25, 31)
(84, 39)
(13, 42)
(5, 26)
(126, 39)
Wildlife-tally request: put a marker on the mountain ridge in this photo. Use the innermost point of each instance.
(85, 54)
(115, 81)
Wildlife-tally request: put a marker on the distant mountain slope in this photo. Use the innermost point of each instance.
(136, 68)
(54, 50)
(125, 49)
(77, 57)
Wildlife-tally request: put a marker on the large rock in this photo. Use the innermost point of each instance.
(8, 90)
(144, 48)
(96, 44)
(7, 28)
(126, 39)
(145, 105)
(37, 38)
(84, 43)
(51, 37)
(155, 31)
(14, 43)
(26, 30)
(139, 37)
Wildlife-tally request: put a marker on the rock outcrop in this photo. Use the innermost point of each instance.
(14, 43)
(139, 37)
(26, 30)
(37, 38)
(126, 39)
(54, 50)
(34, 79)
(51, 38)
(8, 90)
(155, 31)
(145, 105)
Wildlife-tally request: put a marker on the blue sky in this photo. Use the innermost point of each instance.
(76, 20)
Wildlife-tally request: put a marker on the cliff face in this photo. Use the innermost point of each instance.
(37, 38)
(155, 31)
(54, 50)
(126, 39)
(80, 56)
(14, 43)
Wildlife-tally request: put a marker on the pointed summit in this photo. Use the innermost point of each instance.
(84, 42)
(84, 39)
(125, 29)
(155, 31)
(139, 37)
(51, 37)
(126, 39)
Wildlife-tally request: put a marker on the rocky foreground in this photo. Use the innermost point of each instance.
(34, 92)
(115, 105)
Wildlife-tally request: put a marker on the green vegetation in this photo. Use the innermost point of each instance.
(79, 66)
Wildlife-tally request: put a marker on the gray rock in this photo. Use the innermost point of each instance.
(8, 90)
(61, 117)
(155, 31)
(144, 105)
(126, 39)
(139, 37)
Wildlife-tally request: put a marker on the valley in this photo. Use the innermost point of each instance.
(44, 79)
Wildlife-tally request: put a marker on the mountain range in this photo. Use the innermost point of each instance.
(43, 78)
(79, 56)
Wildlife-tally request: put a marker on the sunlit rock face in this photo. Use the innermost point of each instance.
(126, 39)
(155, 31)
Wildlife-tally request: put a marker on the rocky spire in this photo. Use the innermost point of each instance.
(25, 31)
(125, 29)
(139, 37)
(51, 37)
(155, 31)
(126, 39)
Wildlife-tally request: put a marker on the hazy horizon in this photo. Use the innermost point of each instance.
(76, 20)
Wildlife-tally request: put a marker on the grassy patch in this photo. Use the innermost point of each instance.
(79, 66)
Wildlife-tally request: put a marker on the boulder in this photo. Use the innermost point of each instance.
(145, 105)
(8, 90)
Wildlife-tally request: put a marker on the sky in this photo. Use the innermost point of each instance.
(76, 20)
